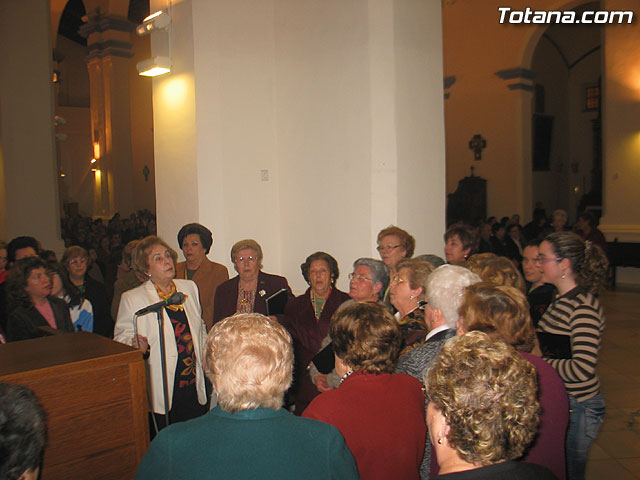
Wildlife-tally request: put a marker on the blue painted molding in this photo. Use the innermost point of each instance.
(520, 73)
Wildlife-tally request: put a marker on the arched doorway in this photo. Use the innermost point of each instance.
(565, 117)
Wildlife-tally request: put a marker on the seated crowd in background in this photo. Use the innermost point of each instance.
(345, 358)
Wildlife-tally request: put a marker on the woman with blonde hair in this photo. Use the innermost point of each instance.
(570, 332)
(483, 411)
(502, 312)
(408, 295)
(248, 434)
(249, 290)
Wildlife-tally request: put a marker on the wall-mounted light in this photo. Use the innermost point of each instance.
(96, 150)
(155, 21)
(155, 66)
(92, 161)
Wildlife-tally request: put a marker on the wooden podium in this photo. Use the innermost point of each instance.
(94, 392)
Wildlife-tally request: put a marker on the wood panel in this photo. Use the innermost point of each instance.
(94, 392)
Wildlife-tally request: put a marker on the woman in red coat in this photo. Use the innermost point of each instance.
(379, 413)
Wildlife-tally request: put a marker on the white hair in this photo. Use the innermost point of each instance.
(445, 290)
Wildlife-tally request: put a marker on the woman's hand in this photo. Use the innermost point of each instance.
(321, 383)
(143, 343)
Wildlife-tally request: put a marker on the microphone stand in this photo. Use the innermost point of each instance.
(163, 362)
(163, 359)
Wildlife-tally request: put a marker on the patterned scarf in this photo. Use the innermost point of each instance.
(165, 296)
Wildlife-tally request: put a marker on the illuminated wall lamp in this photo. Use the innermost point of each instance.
(155, 66)
(92, 161)
(155, 21)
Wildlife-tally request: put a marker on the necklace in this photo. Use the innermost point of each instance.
(318, 303)
(345, 376)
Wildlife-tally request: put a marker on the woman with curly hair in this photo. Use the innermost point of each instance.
(31, 305)
(502, 312)
(379, 413)
(483, 411)
(570, 332)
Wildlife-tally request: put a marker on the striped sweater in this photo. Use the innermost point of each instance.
(578, 316)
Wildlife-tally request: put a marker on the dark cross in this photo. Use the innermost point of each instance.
(472, 170)
(477, 144)
(146, 172)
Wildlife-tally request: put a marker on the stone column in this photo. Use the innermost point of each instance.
(108, 40)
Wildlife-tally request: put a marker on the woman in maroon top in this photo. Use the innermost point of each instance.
(379, 413)
(503, 313)
(307, 318)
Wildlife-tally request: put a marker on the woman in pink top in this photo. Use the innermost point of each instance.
(30, 304)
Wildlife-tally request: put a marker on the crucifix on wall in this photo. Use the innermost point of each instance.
(477, 144)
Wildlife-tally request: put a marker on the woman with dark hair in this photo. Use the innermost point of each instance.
(30, 303)
(195, 240)
(461, 241)
(570, 332)
(80, 308)
(502, 313)
(379, 413)
(76, 261)
(307, 318)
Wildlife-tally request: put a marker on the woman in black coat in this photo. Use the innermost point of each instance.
(30, 303)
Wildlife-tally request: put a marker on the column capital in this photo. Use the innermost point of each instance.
(107, 35)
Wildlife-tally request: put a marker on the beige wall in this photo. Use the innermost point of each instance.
(27, 152)
(328, 99)
(620, 129)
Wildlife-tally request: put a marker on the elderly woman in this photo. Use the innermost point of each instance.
(307, 318)
(76, 261)
(248, 291)
(460, 242)
(379, 413)
(445, 288)
(80, 308)
(483, 411)
(31, 305)
(570, 332)
(408, 288)
(367, 283)
(502, 312)
(249, 435)
(394, 244)
(184, 333)
(369, 280)
(195, 240)
(559, 219)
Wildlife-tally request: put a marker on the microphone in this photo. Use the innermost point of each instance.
(175, 299)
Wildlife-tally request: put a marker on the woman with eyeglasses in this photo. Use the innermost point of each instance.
(307, 319)
(248, 291)
(76, 261)
(570, 332)
(394, 244)
(407, 294)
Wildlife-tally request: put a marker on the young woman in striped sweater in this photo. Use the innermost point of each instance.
(570, 332)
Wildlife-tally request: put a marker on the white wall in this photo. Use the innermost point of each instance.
(341, 104)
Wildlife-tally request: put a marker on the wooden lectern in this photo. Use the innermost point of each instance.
(94, 392)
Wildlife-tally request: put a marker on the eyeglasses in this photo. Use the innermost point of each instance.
(387, 248)
(398, 279)
(77, 261)
(359, 277)
(249, 259)
(542, 259)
